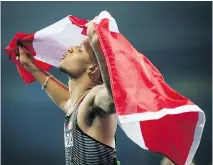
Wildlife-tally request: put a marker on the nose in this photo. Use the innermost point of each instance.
(70, 50)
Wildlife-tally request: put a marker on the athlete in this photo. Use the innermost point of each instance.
(90, 120)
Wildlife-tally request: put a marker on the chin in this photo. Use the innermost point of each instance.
(60, 66)
(63, 69)
(61, 63)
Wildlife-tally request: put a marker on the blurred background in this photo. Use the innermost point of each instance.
(175, 36)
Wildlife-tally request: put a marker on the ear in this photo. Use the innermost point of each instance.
(92, 69)
(94, 73)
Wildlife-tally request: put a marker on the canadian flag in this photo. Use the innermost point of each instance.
(150, 112)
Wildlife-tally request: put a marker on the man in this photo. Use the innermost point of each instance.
(90, 122)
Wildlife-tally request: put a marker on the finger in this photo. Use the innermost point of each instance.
(20, 50)
(17, 54)
(17, 58)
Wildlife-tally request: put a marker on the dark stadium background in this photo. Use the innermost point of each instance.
(175, 36)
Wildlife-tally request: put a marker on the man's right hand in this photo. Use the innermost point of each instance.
(56, 90)
(26, 60)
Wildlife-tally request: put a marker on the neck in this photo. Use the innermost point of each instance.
(77, 88)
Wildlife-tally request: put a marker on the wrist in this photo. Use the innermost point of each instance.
(44, 85)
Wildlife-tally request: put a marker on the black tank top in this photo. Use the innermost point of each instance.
(81, 149)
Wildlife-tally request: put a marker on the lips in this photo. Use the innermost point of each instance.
(63, 57)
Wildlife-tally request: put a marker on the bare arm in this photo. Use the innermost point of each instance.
(104, 98)
(57, 91)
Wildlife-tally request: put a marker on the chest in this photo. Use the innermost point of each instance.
(84, 113)
(93, 121)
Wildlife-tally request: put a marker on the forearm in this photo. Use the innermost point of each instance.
(94, 42)
(57, 91)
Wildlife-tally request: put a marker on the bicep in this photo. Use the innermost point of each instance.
(104, 101)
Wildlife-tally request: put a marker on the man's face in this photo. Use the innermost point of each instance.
(77, 59)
